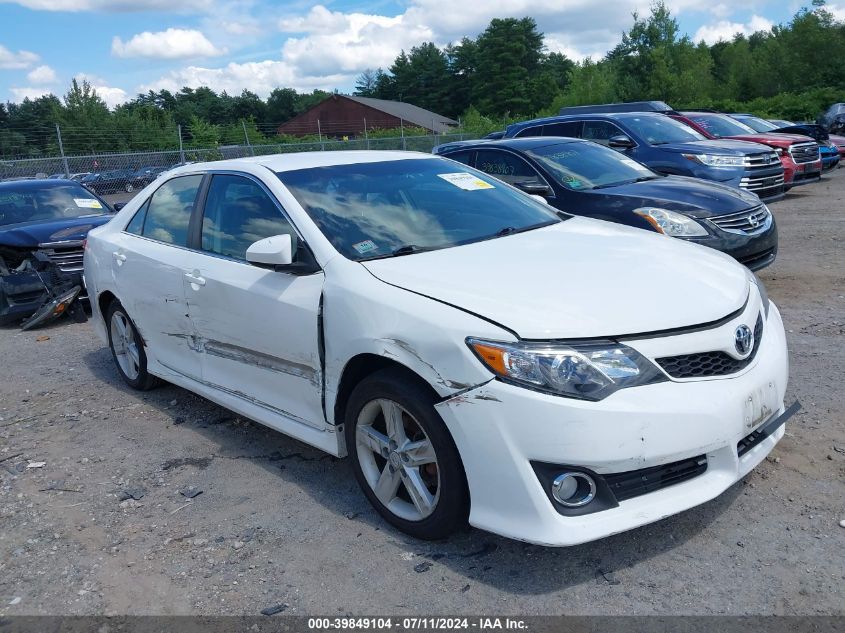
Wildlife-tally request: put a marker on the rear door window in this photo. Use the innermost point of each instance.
(569, 129)
(169, 210)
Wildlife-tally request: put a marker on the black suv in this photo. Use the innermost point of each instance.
(668, 147)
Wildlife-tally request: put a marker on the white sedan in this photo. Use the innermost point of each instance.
(479, 356)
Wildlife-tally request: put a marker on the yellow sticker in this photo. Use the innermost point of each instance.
(466, 181)
(87, 203)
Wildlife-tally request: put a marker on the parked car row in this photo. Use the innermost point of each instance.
(127, 180)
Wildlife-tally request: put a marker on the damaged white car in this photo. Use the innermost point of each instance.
(479, 356)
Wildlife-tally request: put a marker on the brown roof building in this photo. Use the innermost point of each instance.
(342, 115)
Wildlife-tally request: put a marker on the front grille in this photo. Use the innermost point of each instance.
(758, 258)
(709, 364)
(760, 183)
(67, 256)
(804, 152)
(750, 222)
(639, 482)
(761, 161)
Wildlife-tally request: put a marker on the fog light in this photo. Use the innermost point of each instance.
(574, 489)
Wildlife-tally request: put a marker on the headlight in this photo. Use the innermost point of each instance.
(764, 296)
(587, 371)
(671, 223)
(717, 160)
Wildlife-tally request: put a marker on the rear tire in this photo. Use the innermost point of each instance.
(404, 457)
(127, 349)
(129, 188)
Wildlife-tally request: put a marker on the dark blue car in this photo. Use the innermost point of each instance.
(584, 178)
(669, 147)
(42, 227)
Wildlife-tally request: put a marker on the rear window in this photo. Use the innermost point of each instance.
(31, 204)
(168, 213)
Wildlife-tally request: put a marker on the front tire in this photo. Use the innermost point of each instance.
(127, 349)
(404, 457)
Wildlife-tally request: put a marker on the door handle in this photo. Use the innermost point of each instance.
(195, 278)
(119, 258)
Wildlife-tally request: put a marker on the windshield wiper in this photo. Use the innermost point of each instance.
(407, 249)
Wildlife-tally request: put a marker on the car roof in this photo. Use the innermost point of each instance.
(40, 183)
(562, 118)
(303, 160)
(522, 143)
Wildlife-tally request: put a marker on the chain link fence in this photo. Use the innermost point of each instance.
(108, 173)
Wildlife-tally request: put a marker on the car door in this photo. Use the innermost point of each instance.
(258, 328)
(149, 263)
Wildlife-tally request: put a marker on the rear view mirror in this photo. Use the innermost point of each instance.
(620, 142)
(534, 188)
(271, 251)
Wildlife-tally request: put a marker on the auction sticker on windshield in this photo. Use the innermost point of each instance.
(87, 203)
(364, 247)
(466, 181)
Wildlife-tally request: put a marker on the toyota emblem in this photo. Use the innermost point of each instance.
(744, 340)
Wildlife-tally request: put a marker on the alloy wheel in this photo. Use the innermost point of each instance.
(125, 345)
(397, 459)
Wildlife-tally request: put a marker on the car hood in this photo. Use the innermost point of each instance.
(580, 278)
(778, 140)
(837, 140)
(715, 146)
(31, 234)
(696, 197)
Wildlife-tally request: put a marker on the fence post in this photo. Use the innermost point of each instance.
(181, 151)
(434, 133)
(366, 136)
(461, 128)
(246, 136)
(320, 136)
(62, 152)
(402, 127)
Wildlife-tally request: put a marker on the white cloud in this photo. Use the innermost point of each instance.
(837, 11)
(176, 6)
(42, 75)
(169, 44)
(725, 30)
(14, 61)
(111, 95)
(29, 92)
(259, 77)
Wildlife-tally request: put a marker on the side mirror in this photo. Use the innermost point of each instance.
(117, 206)
(620, 142)
(271, 251)
(534, 188)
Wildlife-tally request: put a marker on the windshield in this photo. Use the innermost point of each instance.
(757, 124)
(581, 166)
(719, 125)
(397, 207)
(30, 204)
(659, 130)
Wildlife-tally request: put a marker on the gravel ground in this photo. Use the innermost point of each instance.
(278, 523)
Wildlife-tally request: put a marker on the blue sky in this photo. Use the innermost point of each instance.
(127, 46)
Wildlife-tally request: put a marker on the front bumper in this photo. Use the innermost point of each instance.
(754, 251)
(501, 429)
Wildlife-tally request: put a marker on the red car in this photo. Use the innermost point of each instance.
(799, 155)
(839, 141)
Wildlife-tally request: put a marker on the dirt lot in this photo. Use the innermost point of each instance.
(279, 523)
